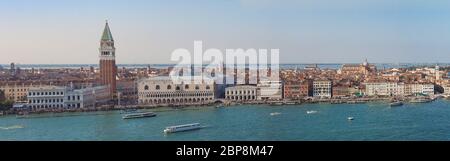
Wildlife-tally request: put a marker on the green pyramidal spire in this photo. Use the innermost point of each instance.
(107, 33)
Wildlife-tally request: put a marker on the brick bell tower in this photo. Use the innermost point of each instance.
(108, 69)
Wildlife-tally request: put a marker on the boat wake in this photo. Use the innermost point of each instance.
(12, 127)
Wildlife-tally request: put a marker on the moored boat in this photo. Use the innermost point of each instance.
(139, 115)
(396, 103)
(290, 103)
(180, 128)
(276, 103)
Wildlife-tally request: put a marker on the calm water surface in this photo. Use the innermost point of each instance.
(374, 121)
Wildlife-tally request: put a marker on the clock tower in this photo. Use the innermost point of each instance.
(108, 69)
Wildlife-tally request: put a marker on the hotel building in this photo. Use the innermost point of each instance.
(397, 89)
(384, 89)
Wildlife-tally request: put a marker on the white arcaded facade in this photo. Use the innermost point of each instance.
(177, 91)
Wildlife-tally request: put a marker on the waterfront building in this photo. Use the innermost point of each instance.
(298, 89)
(416, 88)
(270, 90)
(61, 97)
(108, 69)
(165, 90)
(344, 91)
(241, 93)
(397, 89)
(384, 89)
(16, 92)
(46, 97)
(322, 88)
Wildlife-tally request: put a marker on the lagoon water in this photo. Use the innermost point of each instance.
(373, 121)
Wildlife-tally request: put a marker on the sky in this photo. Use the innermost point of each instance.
(148, 31)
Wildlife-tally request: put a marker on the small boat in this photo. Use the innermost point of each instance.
(291, 103)
(350, 118)
(219, 106)
(336, 102)
(311, 112)
(396, 103)
(351, 102)
(139, 115)
(180, 128)
(274, 113)
(276, 103)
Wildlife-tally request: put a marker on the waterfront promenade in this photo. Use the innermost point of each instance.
(224, 103)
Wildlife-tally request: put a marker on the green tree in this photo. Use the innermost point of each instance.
(2, 96)
(5, 104)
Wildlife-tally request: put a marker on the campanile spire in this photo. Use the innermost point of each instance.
(108, 69)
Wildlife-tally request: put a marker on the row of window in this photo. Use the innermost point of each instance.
(241, 97)
(158, 87)
(73, 98)
(241, 92)
(177, 95)
(46, 101)
(185, 100)
(18, 90)
(35, 107)
(45, 93)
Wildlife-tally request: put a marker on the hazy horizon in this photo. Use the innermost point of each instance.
(305, 31)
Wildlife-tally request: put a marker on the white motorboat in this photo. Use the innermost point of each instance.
(139, 115)
(274, 113)
(350, 118)
(311, 112)
(180, 128)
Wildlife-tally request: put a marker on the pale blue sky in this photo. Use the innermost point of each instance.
(305, 31)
